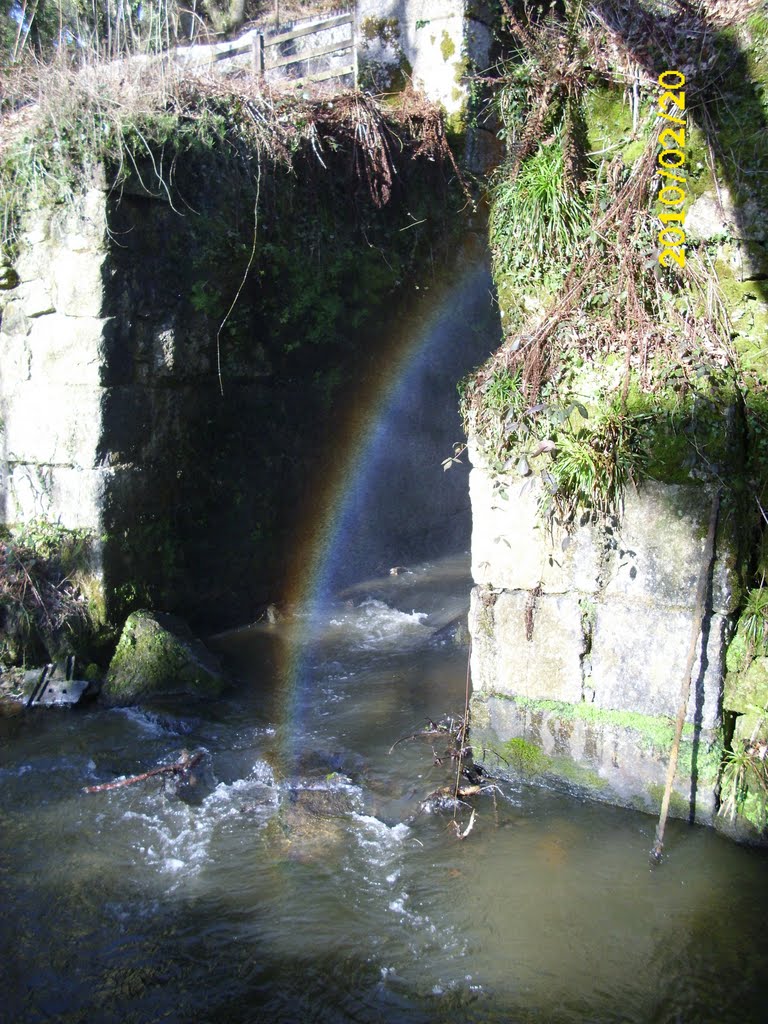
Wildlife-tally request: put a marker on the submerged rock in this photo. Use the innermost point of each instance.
(310, 822)
(193, 785)
(158, 654)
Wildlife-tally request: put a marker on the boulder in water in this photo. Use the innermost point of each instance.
(158, 655)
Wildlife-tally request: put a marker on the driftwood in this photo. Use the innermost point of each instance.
(697, 628)
(185, 763)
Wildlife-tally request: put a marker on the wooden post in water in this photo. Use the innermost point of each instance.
(696, 629)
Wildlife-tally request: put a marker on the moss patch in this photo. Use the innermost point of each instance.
(657, 733)
(609, 123)
(746, 690)
(385, 30)
(525, 757)
(157, 654)
(447, 46)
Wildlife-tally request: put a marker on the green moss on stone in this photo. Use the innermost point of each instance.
(608, 118)
(736, 658)
(753, 809)
(656, 732)
(525, 757)
(746, 687)
(158, 654)
(386, 30)
(579, 775)
(447, 46)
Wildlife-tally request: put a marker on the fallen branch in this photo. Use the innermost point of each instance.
(180, 767)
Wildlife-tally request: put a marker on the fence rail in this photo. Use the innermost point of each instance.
(257, 44)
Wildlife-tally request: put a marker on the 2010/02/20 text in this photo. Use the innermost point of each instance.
(671, 164)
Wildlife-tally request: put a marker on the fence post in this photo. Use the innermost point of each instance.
(257, 54)
(354, 45)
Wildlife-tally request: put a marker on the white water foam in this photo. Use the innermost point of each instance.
(421, 933)
(374, 625)
(174, 838)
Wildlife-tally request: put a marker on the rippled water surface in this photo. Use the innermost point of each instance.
(249, 905)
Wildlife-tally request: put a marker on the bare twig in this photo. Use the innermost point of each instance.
(457, 828)
(185, 763)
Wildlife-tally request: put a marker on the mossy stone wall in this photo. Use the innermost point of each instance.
(171, 380)
(580, 638)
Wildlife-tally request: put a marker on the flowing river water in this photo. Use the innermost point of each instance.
(313, 878)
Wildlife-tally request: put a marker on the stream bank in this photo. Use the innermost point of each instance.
(626, 401)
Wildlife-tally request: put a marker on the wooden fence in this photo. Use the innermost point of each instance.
(264, 57)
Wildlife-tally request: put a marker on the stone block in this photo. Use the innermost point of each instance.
(639, 652)
(714, 216)
(53, 424)
(143, 424)
(601, 755)
(67, 350)
(660, 545)
(85, 229)
(35, 298)
(751, 261)
(15, 359)
(72, 497)
(504, 660)
(748, 728)
(709, 218)
(512, 549)
(77, 284)
(15, 320)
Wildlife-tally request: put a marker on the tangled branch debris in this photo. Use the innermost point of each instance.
(610, 341)
(43, 608)
(59, 123)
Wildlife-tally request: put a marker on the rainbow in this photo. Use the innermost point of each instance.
(362, 433)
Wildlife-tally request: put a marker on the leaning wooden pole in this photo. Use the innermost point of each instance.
(696, 629)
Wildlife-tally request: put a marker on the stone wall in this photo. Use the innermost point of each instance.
(188, 434)
(579, 640)
(53, 338)
(434, 43)
(114, 420)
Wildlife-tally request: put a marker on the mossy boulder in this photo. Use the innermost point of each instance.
(158, 655)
